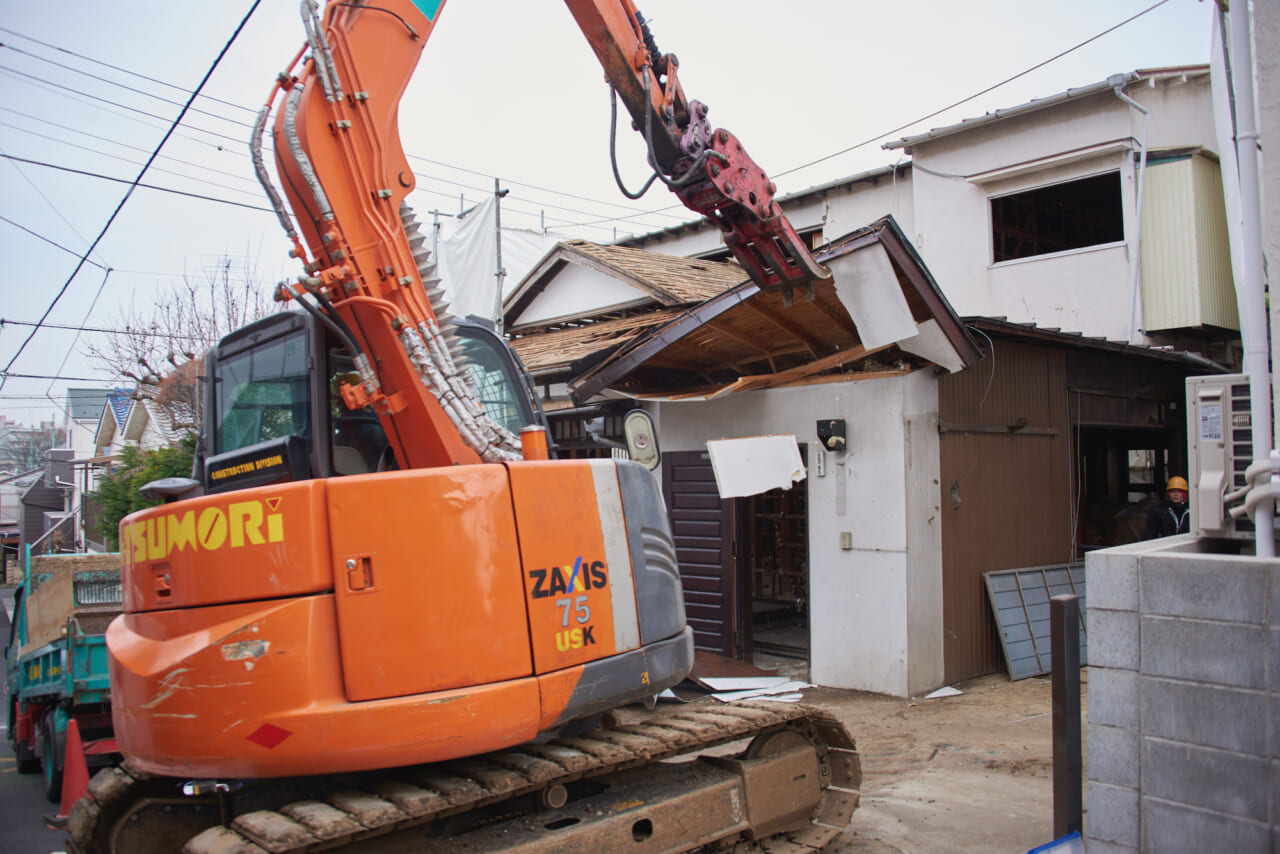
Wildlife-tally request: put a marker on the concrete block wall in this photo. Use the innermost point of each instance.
(1184, 677)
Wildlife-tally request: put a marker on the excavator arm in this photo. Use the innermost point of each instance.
(346, 177)
(707, 169)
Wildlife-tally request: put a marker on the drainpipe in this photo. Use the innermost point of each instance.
(1117, 82)
(1250, 292)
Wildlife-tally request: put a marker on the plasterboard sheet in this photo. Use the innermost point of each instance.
(868, 288)
(1020, 603)
(755, 464)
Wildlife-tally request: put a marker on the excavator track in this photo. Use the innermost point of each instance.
(793, 789)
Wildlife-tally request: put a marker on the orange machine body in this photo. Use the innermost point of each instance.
(302, 618)
(460, 609)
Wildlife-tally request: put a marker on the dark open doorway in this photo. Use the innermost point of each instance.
(774, 552)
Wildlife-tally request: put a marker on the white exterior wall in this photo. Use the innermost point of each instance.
(876, 609)
(580, 291)
(1085, 290)
(80, 435)
(865, 202)
(837, 212)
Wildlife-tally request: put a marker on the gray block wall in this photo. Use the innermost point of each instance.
(1184, 672)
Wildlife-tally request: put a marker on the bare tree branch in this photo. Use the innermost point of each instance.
(159, 348)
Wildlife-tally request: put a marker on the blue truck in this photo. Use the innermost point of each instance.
(56, 662)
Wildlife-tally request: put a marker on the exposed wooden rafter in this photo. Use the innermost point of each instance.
(811, 344)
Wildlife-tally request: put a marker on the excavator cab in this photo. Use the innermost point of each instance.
(275, 413)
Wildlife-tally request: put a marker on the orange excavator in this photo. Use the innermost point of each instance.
(380, 616)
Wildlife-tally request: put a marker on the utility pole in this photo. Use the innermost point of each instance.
(500, 272)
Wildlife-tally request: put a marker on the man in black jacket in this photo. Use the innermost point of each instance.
(1173, 516)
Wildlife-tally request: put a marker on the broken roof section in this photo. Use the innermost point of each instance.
(881, 315)
(604, 297)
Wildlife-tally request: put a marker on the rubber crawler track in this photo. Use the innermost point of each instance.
(405, 797)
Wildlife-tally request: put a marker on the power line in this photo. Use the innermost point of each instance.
(156, 80)
(50, 84)
(123, 159)
(132, 187)
(136, 183)
(991, 88)
(48, 201)
(631, 213)
(547, 190)
(5, 321)
(4, 375)
(597, 223)
(46, 240)
(130, 146)
(88, 311)
(119, 85)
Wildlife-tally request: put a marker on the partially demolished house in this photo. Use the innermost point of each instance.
(844, 568)
(1088, 323)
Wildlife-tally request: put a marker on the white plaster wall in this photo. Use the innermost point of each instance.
(1087, 290)
(863, 203)
(688, 242)
(875, 609)
(837, 211)
(80, 437)
(579, 291)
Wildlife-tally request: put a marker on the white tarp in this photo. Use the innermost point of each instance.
(755, 464)
(469, 260)
(868, 288)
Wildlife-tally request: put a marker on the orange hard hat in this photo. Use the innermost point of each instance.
(1176, 483)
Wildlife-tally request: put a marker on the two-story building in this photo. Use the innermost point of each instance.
(1080, 240)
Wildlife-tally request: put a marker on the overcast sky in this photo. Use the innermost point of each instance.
(506, 89)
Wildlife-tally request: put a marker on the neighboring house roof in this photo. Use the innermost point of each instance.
(12, 488)
(126, 420)
(1152, 75)
(144, 413)
(1000, 326)
(745, 338)
(659, 280)
(86, 404)
(119, 401)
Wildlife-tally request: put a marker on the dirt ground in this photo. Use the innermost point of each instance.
(964, 774)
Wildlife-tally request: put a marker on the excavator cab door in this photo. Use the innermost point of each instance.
(261, 406)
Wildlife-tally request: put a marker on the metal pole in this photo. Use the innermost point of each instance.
(1253, 314)
(500, 273)
(1064, 638)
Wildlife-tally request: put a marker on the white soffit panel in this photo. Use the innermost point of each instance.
(932, 344)
(868, 288)
(755, 464)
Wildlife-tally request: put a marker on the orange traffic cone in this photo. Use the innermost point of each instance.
(75, 776)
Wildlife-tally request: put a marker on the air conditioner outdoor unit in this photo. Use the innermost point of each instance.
(1220, 449)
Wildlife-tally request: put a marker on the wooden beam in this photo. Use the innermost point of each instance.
(811, 344)
(838, 314)
(794, 376)
(723, 328)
